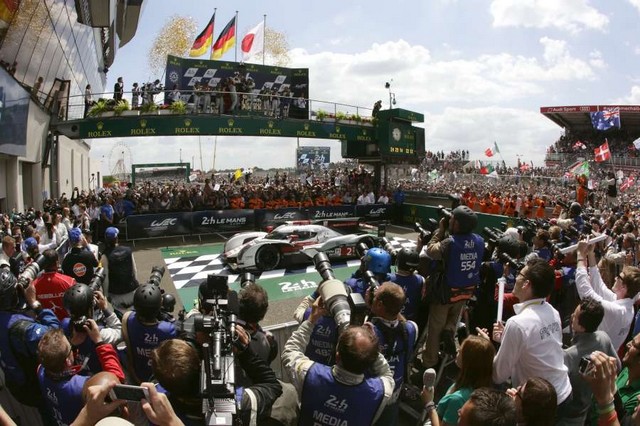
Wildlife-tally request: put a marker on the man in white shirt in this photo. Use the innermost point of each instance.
(531, 341)
(617, 301)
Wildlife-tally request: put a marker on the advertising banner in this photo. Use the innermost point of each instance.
(290, 84)
(276, 217)
(374, 211)
(211, 221)
(331, 212)
(158, 225)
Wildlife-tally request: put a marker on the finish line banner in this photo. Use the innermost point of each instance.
(172, 224)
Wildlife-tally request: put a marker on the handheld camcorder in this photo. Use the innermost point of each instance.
(347, 309)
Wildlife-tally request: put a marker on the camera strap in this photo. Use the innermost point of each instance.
(125, 336)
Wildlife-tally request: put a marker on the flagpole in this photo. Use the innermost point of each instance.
(236, 36)
(213, 28)
(495, 144)
(264, 35)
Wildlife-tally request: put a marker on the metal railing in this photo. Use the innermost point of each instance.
(213, 102)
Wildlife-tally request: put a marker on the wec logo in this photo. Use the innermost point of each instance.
(381, 210)
(166, 222)
(287, 215)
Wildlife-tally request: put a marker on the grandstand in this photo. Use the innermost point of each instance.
(578, 127)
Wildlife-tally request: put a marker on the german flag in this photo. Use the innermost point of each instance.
(204, 40)
(226, 39)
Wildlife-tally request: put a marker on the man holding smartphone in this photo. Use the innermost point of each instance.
(60, 383)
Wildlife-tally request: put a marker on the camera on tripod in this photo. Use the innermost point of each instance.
(218, 364)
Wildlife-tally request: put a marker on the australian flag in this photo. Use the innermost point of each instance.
(606, 119)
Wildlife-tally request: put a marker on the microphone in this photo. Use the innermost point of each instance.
(429, 378)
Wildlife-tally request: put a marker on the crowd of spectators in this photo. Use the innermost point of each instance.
(579, 142)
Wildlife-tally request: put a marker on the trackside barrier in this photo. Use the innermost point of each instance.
(281, 333)
(173, 224)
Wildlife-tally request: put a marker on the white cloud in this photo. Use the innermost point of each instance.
(595, 59)
(635, 3)
(632, 98)
(516, 131)
(568, 15)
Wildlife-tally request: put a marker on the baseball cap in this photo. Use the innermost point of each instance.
(111, 233)
(30, 243)
(75, 234)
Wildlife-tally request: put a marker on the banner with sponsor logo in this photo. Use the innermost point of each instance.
(374, 211)
(158, 225)
(276, 217)
(207, 222)
(330, 212)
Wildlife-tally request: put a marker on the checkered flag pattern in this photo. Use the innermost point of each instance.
(190, 271)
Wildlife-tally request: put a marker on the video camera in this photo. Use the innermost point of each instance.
(492, 235)
(425, 234)
(346, 308)
(217, 383)
(247, 279)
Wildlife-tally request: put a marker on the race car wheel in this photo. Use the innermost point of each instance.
(268, 258)
(369, 242)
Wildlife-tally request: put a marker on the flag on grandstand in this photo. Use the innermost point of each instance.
(203, 42)
(602, 152)
(627, 183)
(493, 175)
(636, 143)
(237, 175)
(579, 169)
(252, 42)
(485, 170)
(226, 39)
(606, 119)
(491, 151)
(579, 145)
(524, 167)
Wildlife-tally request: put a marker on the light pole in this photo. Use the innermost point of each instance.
(392, 96)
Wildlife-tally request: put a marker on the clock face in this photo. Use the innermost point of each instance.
(396, 133)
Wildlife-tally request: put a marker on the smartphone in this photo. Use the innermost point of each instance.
(129, 393)
(585, 365)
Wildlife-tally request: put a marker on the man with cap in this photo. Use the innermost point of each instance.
(80, 262)
(51, 285)
(93, 248)
(121, 282)
(457, 255)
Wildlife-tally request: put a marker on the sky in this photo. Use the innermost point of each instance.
(478, 70)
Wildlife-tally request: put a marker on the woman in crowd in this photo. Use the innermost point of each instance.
(475, 360)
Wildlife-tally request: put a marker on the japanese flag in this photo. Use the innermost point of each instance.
(253, 41)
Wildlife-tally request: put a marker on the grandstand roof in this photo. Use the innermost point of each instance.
(577, 118)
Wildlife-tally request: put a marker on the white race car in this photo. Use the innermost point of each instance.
(290, 245)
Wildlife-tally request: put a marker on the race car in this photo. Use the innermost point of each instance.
(291, 244)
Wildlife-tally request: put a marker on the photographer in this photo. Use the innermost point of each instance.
(60, 383)
(121, 282)
(79, 301)
(80, 262)
(253, 305)
(51, 284)
(617, 301)
(342, 393)
(143, 332)
(396, 340)
(378, 262)
(572, 218)
(413, 284)
(622, 252)
(20, 333)
(452, 284)
(176, 366)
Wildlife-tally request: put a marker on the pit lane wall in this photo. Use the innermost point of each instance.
(170, 224)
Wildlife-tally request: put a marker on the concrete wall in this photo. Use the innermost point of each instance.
(74, 165)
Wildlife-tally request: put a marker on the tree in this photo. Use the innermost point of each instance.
(175, 38)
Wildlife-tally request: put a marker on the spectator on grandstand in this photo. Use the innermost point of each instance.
(617, 302)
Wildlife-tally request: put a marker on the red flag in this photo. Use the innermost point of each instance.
(627, 183)
(489, 152)
(602, 152)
